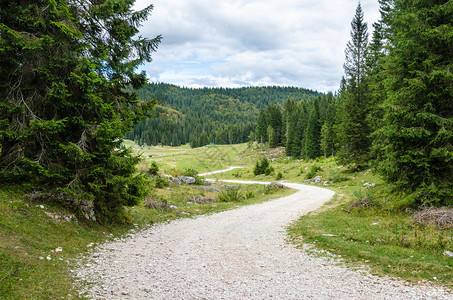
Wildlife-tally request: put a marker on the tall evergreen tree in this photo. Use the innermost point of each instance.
(291, 123)
(67, 69)
(261, 129)
(354, 129)
(274, 117)
(313, 135)
(301, 130)
(328, 134)
(416, 141)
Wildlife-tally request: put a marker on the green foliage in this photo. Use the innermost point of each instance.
(153, 168)
(190, 172)
(249, 195)
(67, 72)
(161, 182)
(313, 135)
(313, 170)
(279, 176)
(335, 176)
(328, 133)
(231, 195)
(414, 145)
(263, 167)
(353, 126)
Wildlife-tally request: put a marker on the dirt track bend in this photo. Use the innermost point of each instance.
(237, 254)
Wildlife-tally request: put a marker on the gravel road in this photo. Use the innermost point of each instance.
(237, 254)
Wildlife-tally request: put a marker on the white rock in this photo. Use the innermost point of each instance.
(448, 253)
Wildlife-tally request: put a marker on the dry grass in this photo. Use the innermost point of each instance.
(441, 217)
(151, 203)
(201, 200)
(365, 202)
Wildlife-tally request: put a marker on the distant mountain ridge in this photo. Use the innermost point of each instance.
(207, 115)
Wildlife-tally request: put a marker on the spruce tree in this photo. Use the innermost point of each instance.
(261, 128)
(354, 129)
(416, 141)
(301, 130)
(328, 134)
(291, 121)
(274, 119)
(66, 81)
(313, 135)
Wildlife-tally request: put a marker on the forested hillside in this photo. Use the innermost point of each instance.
(207, 115)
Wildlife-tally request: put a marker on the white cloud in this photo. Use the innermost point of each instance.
(251, 42)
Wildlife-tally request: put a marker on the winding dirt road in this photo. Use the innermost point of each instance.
(237, 254)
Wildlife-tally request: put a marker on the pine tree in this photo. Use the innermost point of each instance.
(301, 130)
(274, 119)
(261, 128)
(416, 141)
(328, 134)
(272, 137)
(67, 71)
(290, 128)
(313, 135)
(354, 129)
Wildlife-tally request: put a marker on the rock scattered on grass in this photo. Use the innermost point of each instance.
(201, 200)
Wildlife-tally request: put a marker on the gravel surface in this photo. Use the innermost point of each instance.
(237, 254)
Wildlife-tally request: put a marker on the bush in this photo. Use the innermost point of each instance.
(279, 176)
(231, 195)
(335, 176)
(153, 168)
(190, 172)
(312, 173)
(161, 182)
(262, 167)
(249, 195)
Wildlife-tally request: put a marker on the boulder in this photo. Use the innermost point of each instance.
(173, 179)
(209, 188)
(317, 179)
(187, 179)
(276, 185)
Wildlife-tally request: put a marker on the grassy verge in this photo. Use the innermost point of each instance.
(379, 232)
(32, 235)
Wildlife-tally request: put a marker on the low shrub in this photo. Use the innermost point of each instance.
(263, 167)
(190, 172)
(335, 176)
(161, 182)
(231, 195)
(153, 169)
(312, 173)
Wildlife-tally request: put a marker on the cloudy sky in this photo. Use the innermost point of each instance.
(234, 43)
